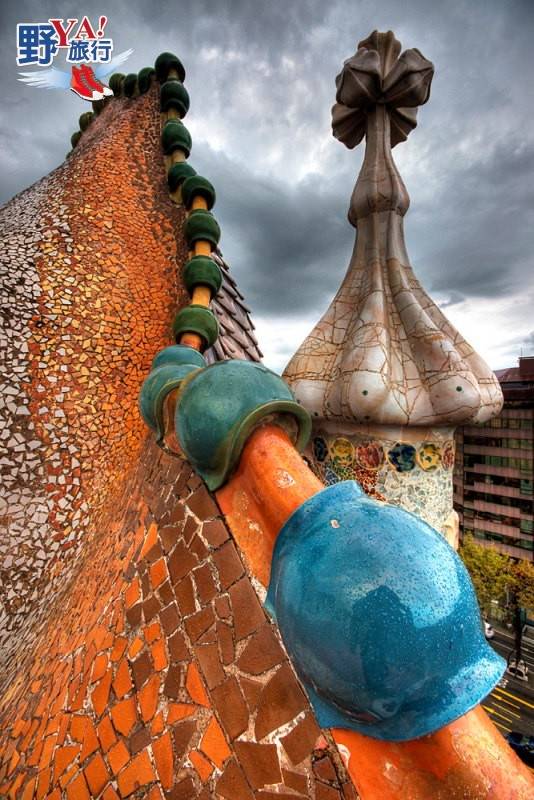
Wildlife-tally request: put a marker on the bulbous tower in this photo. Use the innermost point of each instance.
(384, 374)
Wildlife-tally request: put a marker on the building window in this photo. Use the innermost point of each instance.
(527, 526)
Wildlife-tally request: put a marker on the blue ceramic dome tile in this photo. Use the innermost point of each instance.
(379, 616)
(402, 457)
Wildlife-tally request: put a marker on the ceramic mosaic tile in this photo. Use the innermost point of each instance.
(138, 661)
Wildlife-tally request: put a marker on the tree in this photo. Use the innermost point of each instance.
(497, 577)
(520, 596)
(489, 570)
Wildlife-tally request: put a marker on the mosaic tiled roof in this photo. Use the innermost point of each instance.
(236, 337)
(137, 660)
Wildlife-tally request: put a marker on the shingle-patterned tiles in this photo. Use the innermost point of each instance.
(138, 661)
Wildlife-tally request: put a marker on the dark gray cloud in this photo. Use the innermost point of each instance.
(289, 241)
(261, 79)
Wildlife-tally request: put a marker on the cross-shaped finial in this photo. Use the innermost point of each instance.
(376, 75)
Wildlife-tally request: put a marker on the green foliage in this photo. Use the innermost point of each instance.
(522, 585)
(490, 572)
(497, 577)
(75, 138)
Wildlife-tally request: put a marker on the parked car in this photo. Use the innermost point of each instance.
(523, 746)
(489, 633)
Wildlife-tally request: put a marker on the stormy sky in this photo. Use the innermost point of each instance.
(261, 80)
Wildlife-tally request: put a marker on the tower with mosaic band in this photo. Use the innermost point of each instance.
(385, 375)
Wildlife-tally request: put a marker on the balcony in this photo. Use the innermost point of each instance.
(495, 508)
(526, 434)
(502, 491)
(507, 550)
(489, 469)
(497, 527)
(508, 452)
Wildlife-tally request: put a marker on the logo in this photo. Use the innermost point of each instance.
(86, 48)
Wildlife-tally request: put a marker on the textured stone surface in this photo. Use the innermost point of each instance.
(127, 604)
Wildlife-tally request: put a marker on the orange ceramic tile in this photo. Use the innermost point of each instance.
(201, 764)
(124, 716)
(100, 694)
(119, 647)
(99, 667)
(77, 701)
(122, 683)
(53, 724)
(148, 698)
(158, 573)
(96, 775)
(43, 782)
(159, 655)
(195, 687)
(150, 540)
(68, 775)
(158, 724)
(214, 745)
(178, 711)
(138, 773)
(77, 789)
(106, 734)
(163, 755)
(63, 757)
(98, 636)
(35, 754)
(15, 758)
(46, 753)
(28, 792)
(152, 631)
(19, 727)
(135, 647)
(63, 727)
(29, 735)
(17, 783)
(132, 593)
(118, 756)
(110, 794)
(77, 727)
(90, 741)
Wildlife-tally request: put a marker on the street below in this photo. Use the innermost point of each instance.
(511, 704)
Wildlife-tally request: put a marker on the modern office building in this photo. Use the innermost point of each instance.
(494, 470)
